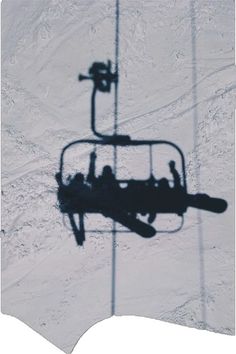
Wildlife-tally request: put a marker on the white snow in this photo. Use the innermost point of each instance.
(48, 282)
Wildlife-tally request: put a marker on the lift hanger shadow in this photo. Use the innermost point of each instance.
(125, 200)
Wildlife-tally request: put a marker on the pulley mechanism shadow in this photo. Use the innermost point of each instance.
(125, 201)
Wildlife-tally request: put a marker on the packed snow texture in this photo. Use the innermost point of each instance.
(177, 82)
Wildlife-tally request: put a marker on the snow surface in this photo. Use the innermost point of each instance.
(177, 82)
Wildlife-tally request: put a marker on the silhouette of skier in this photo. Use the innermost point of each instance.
(163, 185)
(175, 174)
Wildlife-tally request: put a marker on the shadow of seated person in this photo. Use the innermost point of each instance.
(107, 181)
(79, 189)
(176, 175)
(163, 185)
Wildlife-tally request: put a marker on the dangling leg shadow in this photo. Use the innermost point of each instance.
(78, 232)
